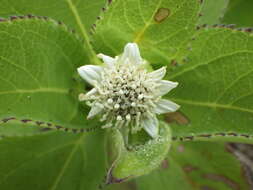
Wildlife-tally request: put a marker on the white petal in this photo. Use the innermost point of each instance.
(82, 97)
(91, 92)
(131, 51)
(165, 87)
(158, 74)
(165, 106)
(95, 109)
(107, 59)
(150, 125)
(90, 73)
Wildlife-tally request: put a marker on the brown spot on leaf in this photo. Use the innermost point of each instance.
(13, 17)
(215, 177)
(174, 63)
(165, 164)
(30, 16)
(58, 127)
(26, 120)
(220, 134)
(205, 135)
(180, 148)
(243, 135)
(189, 168)
(45, 129)
(189, 138)
(74, 130)
(177, 117)
(21, 17)
(161, 14)
(8, 119)
(39, 122)
(232, 134)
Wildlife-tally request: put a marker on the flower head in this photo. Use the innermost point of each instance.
(125, 94)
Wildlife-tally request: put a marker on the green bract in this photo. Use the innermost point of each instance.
(142, 159)
(39, 87)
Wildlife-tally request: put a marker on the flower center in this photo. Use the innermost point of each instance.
(126, 91)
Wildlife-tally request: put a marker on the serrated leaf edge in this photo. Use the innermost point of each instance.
(47, 125)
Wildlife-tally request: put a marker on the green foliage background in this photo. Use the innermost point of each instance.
(39, 87)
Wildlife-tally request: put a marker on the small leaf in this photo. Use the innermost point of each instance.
(141, 159)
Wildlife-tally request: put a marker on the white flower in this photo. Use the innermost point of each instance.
(125, 94)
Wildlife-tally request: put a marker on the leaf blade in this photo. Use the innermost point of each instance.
(39, 73)
(218, 71)
(157, 26)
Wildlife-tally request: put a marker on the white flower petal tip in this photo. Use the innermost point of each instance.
(107, 59)
(165, 86)
(158, 74)
(166, 106)
(132, 52)
(82, 97)
(150, 125)
(95, 109)
(90, 73)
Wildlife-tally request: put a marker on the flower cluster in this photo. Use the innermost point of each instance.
(125, 94)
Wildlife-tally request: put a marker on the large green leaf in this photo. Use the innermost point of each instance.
(195, 166)
(239, 12)
(75, 13)
(160, 27)
(52, 161)
(38, 86)
(215, 86)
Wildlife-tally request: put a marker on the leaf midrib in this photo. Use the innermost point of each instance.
(67, 162)
(92, 55)
(209, 62)
(36, 90)
(141, 33)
